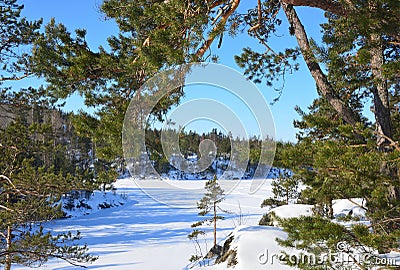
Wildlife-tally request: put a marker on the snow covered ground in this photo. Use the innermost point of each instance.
(145, 234)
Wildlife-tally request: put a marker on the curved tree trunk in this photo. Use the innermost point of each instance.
(344, 111)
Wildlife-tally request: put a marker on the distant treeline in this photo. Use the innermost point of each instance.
(189, 142)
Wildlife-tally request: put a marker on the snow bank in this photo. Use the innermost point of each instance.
(250, 247)
(344, 207)
(293, 210)
(80, 203)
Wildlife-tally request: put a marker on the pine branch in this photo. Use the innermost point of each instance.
(327, 5)
(6, 208)
(14, 78)
(44, 255)
(200, 52)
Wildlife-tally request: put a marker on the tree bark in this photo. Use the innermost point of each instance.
(380, 92)
(215, 224)
(344, 111)
(327, 5)
(8, 261)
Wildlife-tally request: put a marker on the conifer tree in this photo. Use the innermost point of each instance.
(285, 188)
(34, 175)
(35, 169)
(334, 164)
(209, 204)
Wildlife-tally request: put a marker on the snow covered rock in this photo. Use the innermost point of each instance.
(248, 247)
(80, 203)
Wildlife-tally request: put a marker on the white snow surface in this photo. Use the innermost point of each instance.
(293, 210)
(144, 234)
(343, 207)
(256, 250)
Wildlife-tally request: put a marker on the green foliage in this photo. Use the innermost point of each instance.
(359, 53)
(36, 168)
(15, 32)
(208, 203)
(34, 248)
(284, 190)
(214, 195)
(334, 163)
(34, 174)
(340, 161)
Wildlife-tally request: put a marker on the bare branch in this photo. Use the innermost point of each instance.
(220, 24)
(217, 3)
(2, 79)
(7, 180)
(6, 208)
(327, 5)
(385, 221)
(357, 204)
(392, 142)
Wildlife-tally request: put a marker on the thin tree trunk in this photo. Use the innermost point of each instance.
(287, 196)
(330, 208)
(383, 119)
(215, 224)
(344, 111)
(7, 265)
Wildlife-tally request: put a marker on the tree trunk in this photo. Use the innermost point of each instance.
(8, 261)
(287, 196)
(344, 111)
(7, 264)
(215, 224)
(330, 208)
(380, 92)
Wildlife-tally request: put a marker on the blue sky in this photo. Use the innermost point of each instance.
(299, 87)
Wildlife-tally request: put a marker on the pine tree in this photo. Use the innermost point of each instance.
(35, 170)
(31, 186)
(15, 32)
(335, 164)
(285, 188)
(209, 203)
